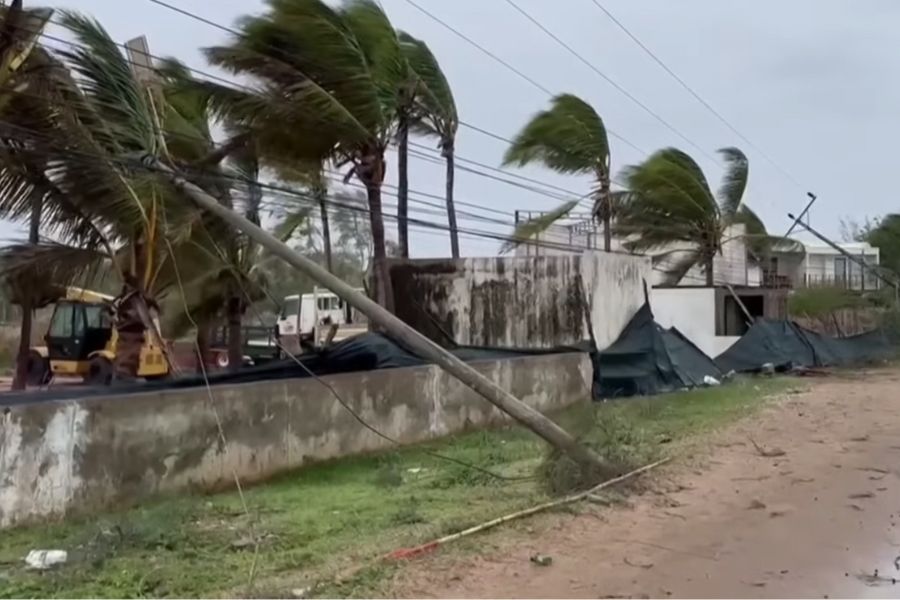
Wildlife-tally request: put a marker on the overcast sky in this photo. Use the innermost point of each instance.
(814, 84)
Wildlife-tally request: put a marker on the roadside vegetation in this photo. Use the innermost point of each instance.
(330, 523)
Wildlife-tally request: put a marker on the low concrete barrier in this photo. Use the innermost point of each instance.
(83, 456)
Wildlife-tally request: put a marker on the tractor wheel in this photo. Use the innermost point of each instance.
(100, 371)
(222, 360)
(38, 369)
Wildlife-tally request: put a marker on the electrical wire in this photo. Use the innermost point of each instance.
(236, 85)
(510, 67)
(340, 399)
(696, 95)
(610, 81)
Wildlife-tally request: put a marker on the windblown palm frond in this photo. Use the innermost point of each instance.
(670, 203)
(734, 182)
(532, 228)
(570, 137)
(436, 113)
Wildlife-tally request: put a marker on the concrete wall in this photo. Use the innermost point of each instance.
(58, 458)
(522, 301)
(693, 312)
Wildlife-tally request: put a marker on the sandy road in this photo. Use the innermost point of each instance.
(821, 520)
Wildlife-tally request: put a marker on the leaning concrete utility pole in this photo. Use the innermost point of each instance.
(394, 327)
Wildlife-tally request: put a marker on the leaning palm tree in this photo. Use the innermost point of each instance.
(106, 215)
(670, 205)
(431, 112)
(569, 137)
(326, 86)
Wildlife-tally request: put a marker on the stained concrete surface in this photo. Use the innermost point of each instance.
(819, 521)
(86, 455)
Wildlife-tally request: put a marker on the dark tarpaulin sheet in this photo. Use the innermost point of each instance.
(365, 352)
(647, 359)
(786, 345)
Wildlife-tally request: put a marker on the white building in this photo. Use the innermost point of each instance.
(822, 266)
(578, 232)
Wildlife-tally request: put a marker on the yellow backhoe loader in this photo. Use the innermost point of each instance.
(81, 341)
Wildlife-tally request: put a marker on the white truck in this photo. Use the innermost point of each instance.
(308, 319)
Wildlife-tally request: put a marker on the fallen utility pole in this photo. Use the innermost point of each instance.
(862, 264)
(394, 327)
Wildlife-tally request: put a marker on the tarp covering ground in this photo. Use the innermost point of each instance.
(648, 359)
(785, 345)
(365, 352)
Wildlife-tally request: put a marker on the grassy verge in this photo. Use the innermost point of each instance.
(321, 521)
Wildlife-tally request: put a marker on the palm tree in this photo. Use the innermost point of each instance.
(105, 214)
(21, 176)
(428, 108)
(669, 203)
(327, 87)
(569, 137)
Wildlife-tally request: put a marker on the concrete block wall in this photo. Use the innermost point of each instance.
(521, 301)
(84, 456)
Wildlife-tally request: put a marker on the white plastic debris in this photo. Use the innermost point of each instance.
(42, 560)
(710, 380)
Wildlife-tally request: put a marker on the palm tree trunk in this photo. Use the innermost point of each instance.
(403, 185)
(710, 280)
(606, 213)
(130, 330)
(451, 210)
(235, 343)
(21, 376)
(371, 173)
(321, 196)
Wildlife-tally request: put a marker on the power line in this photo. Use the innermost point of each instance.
(211, 76)
(308, 198)
(609, 80)
(693, 93)
(499, 60)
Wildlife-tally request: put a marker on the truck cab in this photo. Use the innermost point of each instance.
(305, 317)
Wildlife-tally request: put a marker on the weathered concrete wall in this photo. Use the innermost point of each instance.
(65, 457)
(522, 301)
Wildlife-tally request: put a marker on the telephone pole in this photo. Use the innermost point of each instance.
(394, 327)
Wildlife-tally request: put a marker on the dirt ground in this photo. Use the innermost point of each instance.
(811, 512)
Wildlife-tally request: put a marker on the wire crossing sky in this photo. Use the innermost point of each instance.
(824, 112)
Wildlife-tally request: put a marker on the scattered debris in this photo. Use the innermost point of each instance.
(637, 565)
(760, 478)
(770, 453)
(855, 507)
(767, 369)
(881, 489)
(303, 592)
(711, 381)
(874, 470)
(42, 560)
(876, 477)
(542, 560)
(861, 495)
(861, 438)
(756, 505)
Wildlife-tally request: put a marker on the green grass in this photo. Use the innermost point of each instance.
(324, 521)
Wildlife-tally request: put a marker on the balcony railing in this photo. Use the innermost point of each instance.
(850, 282)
